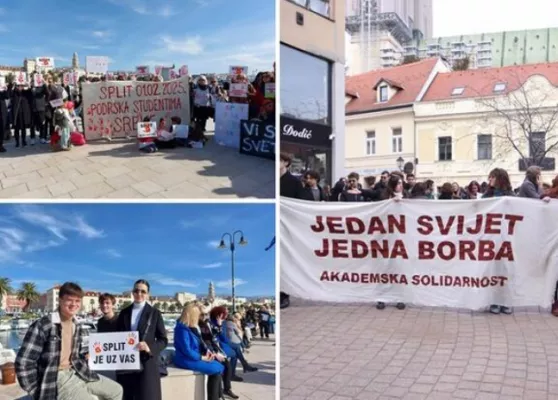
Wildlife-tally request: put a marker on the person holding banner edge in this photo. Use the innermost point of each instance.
(148, 321)
(51, 363)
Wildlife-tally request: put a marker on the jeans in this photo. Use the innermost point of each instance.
(264, 329)
(238, 350)
(72, 387)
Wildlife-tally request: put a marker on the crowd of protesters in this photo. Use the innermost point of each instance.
(397, 185)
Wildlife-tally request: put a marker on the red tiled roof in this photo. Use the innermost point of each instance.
(411, 77)
(480, 82)
(389, 82)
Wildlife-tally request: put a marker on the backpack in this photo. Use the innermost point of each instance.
(554, 310)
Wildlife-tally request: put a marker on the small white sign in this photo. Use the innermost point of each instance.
(181, 131)
(142, 70)
(238, 70)
(114, 351)
(238, 90)
(96, 64)
(158, 70)
(270, 90)
(38, 80)
(3, 83)
(183, 71)
(21, 78)
(56, 103)
(147, 130)
(44, 62)
(66, 78)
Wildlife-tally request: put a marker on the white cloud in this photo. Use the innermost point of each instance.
(190, 46)
(87, 47)
(169, 281)
(213, 265)
(112, 253)
(43, 245)
(226, 284)
(166, 12)
(213, 244)
(188, 224)
(3, 28)
(202, 3)
(101, 34)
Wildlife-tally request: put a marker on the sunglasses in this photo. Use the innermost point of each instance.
(140, 291)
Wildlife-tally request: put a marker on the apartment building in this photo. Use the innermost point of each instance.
(313, 85)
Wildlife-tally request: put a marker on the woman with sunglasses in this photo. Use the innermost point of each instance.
(144, 384)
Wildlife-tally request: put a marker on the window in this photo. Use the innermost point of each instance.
(457, 91)
(396, 140)
(383, 94)
(499, 87)
(370, 143)
(484, 147)
(537, 145)
(318, 6)
(444, 148)
(305, 86)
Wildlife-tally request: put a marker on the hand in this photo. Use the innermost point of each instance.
(208, 357)
(546, 199)
(219, 357)
(142, 346)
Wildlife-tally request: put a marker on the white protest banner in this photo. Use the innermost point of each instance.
(464, 254)
(142, 70)
(183, 71)
(116, 351)
(118, 106)
(44, 62)
(270, 90)
(227, 123)
(38, 80)
(238, 90)
(3, 85)
(21, 78)
(147, 130)
(96, 64)
(238, 70)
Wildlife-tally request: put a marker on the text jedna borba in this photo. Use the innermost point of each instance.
(457, 228)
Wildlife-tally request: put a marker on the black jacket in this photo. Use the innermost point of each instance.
(39, 99)
(307, 194)
(146, 384)
(21, 108)
(290, 186)
(4, 96)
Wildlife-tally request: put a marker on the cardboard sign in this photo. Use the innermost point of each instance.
(114, 351)
(44, 62)
(238, 70)
(181, 131)
(120, 105)
(257, 139)
(173, 74)
(270, 90)
(158, 70)
(238, 90)
(66, 78)
(21, 78)
(147, 130)
(142, 70)
(56, 103)
(96, 64)
(38, 80)
(76, 78)
(3, 83)
(227, 123)
(183, 71)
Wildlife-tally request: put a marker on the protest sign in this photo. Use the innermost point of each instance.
(173, 74)
(142, 70)
(44, 62)
(257, 139)
(158, 70)
(3, 85)
(465, 254)
(181, 131)
(270, 90)
(147, 130)
(183, 71)
(66, 78)
(118, 106)
(38, 80)
(238, 90)
(21, 78)
(117, 351)
(96, 64)
(238, 70)
(56, 103)
(227, 123)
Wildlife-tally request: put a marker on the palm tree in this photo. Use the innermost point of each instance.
(28, 293)
(5, 289)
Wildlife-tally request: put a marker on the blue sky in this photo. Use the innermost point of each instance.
(206, 35)
(106, 247)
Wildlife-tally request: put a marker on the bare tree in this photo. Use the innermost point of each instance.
(524, 118)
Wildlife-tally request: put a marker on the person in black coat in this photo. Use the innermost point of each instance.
(21, 109)
(39, 113)
(312, 190)
(4, 121)
(53, 92)
(290, 185)
(148, 321)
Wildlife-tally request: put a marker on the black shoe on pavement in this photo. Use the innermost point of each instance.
(400, 306)
(230, 394)
(250, 369)
(2, 149)
(380, 305)
(236, 378)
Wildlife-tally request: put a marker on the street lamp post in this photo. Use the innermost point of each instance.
(232, 248)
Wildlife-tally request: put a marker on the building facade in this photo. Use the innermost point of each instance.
(313, 85)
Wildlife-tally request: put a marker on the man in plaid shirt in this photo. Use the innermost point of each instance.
(51, 365)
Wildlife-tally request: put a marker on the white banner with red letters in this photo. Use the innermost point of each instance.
(463, 254)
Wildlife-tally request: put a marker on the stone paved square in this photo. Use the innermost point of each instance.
(117, 170)
(356, 352)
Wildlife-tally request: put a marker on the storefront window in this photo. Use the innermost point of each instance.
(306, 158)
(305, 86)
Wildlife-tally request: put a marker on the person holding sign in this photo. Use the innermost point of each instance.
(51, 363)
(39, 93)
(148, 321)
(202, 102)
(192, 353)
(21, 108)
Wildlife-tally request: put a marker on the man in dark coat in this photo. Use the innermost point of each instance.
(53, 92)
(39, 113)
(290, 185)
(21, 109)
(4, 122)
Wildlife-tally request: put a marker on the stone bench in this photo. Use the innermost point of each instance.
(182, 384)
